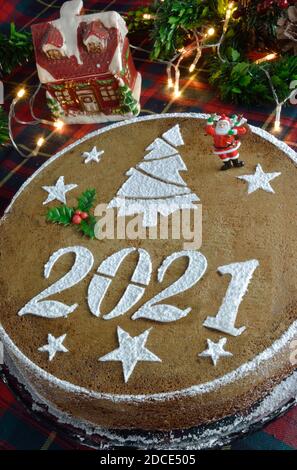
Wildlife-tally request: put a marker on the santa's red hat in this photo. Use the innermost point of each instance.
(225, 118)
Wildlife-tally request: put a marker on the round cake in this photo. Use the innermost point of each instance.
(108, 319)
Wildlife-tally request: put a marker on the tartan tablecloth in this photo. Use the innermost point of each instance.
(18, 428)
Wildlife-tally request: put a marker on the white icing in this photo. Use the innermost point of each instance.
(173, 136)
(215, 350)
(143, 271)
(151, 207)
(54, 345)
(45, 76)
(241, 276)
(139, 185)
(277, 400)
(259, 180)
(67, 25)
(166, 169)
(146, 189)
(58, 191)
(242, 371)
(131, 350)
(93, 156)
(159, 149)
(197, 265)
(109, 267)
(116, 63)
(52, 308)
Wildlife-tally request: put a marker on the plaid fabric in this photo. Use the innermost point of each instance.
(18, 428)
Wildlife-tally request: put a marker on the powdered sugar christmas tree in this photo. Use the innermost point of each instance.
(155, 185)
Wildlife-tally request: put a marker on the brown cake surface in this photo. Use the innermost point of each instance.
(236, 227)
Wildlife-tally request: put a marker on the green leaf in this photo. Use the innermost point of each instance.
(86, 200)
(233, 54)
(245, 81)
(87, 226)
(60, 215)
(236, 90)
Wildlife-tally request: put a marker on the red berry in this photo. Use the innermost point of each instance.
(76, 219)
(283, 4)
(78, 212)
(84, 215)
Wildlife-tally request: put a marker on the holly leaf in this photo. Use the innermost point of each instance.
(60, 215)
(87, 227)
(86, 200)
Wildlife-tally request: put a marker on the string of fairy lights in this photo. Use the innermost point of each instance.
(173, 80)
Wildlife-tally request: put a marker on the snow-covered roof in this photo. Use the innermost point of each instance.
(77, 61)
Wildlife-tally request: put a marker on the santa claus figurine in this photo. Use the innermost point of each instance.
(224, 131)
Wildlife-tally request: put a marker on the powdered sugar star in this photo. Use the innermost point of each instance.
(93, 155)
(54, 345)
(130, 351)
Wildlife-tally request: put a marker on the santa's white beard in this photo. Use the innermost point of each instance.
(222, 130)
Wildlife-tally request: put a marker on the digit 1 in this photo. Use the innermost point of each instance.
(226, 317)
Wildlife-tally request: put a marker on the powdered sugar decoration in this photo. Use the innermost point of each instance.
(215, 350)
(143, 186)
(107, 270)
(165, 169)
(58, 192)
(159, 149)
(259, 180)
(53, 308)
(197, 265)
(54, 345)
(173, 136)
(261, 360)
(241, 276)
(155, 185)
(93, 156)
(131, 350)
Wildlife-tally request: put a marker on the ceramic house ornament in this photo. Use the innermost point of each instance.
(86, 65)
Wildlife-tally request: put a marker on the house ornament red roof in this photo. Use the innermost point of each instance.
(95, 28)
(52, 37)
(76, 61)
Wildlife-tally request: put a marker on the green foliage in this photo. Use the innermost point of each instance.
(3, 126)
(175, 19)
(63, 214)
(264, 24)
(60, 215)
(53, 106)
(86, 200)
(87, 226)
(135, 21)
(245, 82)
(128, 102)
(15, 49)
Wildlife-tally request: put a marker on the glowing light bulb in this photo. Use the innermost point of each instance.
(170, 83)
(267, 58)
(177, 92)
(59, 124)
(277, 126)
(147, 16)
(192, 68)
(210, 32)
(21, 93)
(40, 141)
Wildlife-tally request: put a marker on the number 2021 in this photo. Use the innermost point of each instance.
(241, 274)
